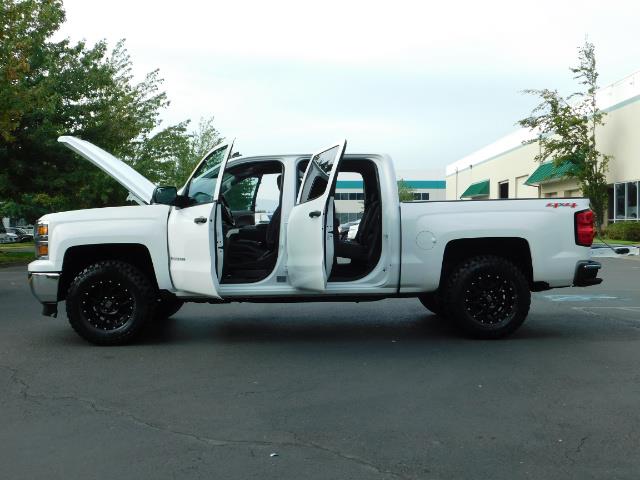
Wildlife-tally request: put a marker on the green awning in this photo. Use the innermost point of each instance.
(478, 189)
(547, 172)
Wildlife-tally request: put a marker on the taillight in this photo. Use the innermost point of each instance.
(585, 228)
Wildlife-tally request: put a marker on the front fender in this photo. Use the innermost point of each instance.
(144, 225)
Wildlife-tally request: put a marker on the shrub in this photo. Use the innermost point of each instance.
(623, 231)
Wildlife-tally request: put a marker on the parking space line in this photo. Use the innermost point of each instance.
(587, 310)
(578, 298)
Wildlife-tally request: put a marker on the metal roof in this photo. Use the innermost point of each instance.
(547, 172)
(478, 189)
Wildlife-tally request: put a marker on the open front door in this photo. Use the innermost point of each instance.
(310, 228)
(195, 232)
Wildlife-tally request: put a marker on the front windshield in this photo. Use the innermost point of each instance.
(203, 183)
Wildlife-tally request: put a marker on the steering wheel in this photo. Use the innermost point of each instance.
(227, 216)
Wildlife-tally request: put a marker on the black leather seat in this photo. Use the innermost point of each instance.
(251, 254)
(366, 245)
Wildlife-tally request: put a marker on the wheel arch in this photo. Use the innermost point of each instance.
(81, 256)
(515, 249)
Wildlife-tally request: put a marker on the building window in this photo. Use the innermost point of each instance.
(624, 198)
(420, 196)
(610, 201)
(620, 201)
(349, 196)
(632, 201)
(503, 190)
(349, 217)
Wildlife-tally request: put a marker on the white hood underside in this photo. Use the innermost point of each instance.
(137, 185)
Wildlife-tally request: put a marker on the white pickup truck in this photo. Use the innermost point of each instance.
(473, 262)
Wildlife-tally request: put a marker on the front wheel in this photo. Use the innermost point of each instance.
(487, 296)
(109, 302)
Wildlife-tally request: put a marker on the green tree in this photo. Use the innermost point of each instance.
(169, 156)
(567, 131)
(201, 140)
(405, 192)
(52, 88)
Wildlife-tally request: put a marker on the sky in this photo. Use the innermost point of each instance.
(426, 82)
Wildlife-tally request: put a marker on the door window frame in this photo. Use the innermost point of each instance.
(331, 177)
(227, 156)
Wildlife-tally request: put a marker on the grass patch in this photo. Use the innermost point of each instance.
(14, 246)
(10, 258)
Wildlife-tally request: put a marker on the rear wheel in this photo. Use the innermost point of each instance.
(487, 297)
(109, 302)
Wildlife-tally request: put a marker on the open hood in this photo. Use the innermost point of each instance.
(138, 186)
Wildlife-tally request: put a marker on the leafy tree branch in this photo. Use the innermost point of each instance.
(566, 129)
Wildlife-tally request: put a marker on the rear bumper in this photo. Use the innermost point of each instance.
(44, 286)
(587, 273)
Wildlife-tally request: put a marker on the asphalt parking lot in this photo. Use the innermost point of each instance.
(327, 391)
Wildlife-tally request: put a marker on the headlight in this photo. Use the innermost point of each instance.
(41, 240)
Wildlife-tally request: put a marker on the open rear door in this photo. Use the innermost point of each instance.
(195, 232)
(310, 228)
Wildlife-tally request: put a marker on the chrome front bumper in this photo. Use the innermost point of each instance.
(44, 286)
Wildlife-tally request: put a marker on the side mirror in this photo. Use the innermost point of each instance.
(164, 195)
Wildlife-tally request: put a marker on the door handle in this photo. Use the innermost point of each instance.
(200, 220)
(315, 213)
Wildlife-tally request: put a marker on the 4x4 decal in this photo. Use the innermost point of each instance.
(557, 204)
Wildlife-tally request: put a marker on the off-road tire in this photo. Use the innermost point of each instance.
(487, 297)
(432, 302)
(109, 302)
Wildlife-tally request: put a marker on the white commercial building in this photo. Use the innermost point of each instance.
(506, 168)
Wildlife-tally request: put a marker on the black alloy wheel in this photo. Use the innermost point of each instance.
(491, 297)
(487, 296)
(109, 302)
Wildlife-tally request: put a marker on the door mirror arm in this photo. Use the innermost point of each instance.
(181, 201)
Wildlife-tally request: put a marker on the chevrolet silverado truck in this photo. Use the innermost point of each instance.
(474, 263)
